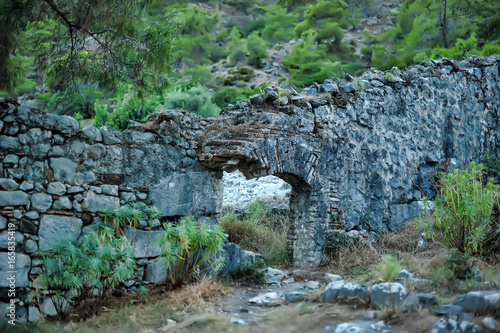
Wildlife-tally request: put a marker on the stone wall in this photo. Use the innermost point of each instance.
(359, 153)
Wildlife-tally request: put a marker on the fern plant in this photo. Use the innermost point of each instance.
(86, 271)
(190, 249)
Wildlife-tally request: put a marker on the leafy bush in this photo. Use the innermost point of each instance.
(389, 268)
(130, 214)
(258, 231)
(463, 213)
(85, 272)
(196, 99)
(191, 249)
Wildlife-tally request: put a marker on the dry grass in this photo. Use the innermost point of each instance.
(358, 255)
(197, 296)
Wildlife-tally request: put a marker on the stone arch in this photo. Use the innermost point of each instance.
(258, 151)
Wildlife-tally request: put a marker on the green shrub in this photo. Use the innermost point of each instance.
(463, 213)
(87, 270)
(191, 249)
(196, 99)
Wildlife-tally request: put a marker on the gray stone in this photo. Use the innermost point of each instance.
(448, 309)
(480, 302)
(491, 324)
(156, 271)
(56, 188)
(9, 142)
(25, 186)
(140, 137)
(3, 222)
(41, 202)
(187, 194)
(355, 292)
(8, 184)
(48, 308)
(11, 159)
(96, 202)
(75, 189)
(18, 214)
(404, 274)
(127, 197)
(33, 314)
(110, 190)
(13, 198)
(64, 169)
(63, 203)
(266, 299)
(66, 125)
(144, 242)
(312, 285)
(294, 296)
(385, 295)
(92, 133)
(360, 326)
(32, 215)
(272, 275)
(54, 228)
(111, 135)
(85, 177)
(21, 266)
(332, 278)
(256, 99)
(30, 246)
(448, 325)
(331, 292)
(6, 239)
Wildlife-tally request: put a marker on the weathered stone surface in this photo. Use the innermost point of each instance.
(110, 190)
(111, 135)
(13, 198)
(187, 194)
(95, 202)
(385, 295)
(3, 223)
(481, 301)
(332, 278)
(156, 271)
(266, 299)
(25, 186)
(272, 275)
(22, 267)
(448, 325)
(33, 314)
(235, 257)
(144, 242)
(64, 169)
(294, 296)
(54, 228)
(332, 291)
(360, 326)
(92, 133)
(8, 184)
(63, 203)
(6, 240)
(9, 142)
(56, 188)
(41, 202)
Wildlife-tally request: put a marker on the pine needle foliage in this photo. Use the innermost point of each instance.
(191, 249)
(85, 272)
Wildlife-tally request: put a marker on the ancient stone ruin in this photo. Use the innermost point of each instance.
(359, 153)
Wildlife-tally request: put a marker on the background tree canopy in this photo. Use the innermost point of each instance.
(116, 61)
(105, 44)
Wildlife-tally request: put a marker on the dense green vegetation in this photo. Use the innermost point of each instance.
(87, 60)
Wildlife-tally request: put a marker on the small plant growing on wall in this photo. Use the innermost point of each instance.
(86, 271)
(190, 249)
